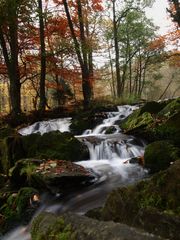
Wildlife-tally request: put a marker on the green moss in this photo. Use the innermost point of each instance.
(137, 120)
(160, 192)
(171, 109)
(158, 155)
(48, 226)
(21, 173)
(54, 145)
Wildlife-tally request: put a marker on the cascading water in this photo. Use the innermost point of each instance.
(109, 160)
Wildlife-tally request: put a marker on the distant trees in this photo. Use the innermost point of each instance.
(133, 37)
(174, 10)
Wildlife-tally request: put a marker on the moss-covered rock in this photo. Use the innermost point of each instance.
(48, 226)
(152, 204)
(19, 207)
(170, 109)
(10, 150)
(54, 145)
(137, 121)
(73, 227)
(159, 155)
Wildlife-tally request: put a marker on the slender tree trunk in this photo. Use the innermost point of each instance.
(112, 73)
(42, 103)
(81, 52)
(116, 46)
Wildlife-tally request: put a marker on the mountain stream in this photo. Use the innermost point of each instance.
(109, 160)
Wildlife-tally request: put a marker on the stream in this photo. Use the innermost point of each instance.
(109, 160)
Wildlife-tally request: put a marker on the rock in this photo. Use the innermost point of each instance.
(159, 155)
(137, 121)
(86, 120)
(152, 204)
(54, 145)
(73, 227)
(10, 150)
(155, 121)
(55, 176)
(153, 107)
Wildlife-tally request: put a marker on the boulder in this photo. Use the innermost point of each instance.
(55, 176)
(10, 150)
(159, 155)
(74, 227)
(54, 145)
(86, 120)
(152, 204)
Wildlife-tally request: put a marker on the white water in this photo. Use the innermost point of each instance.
(60, 124)
(109, 155)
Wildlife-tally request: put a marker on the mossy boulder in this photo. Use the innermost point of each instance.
(152, 204)
(170, 109)
(19, 207)
(54, 145)
(155, 121)
(49, 226)
(159, 155)
(74, 227)
(10, 150)
(137, 121)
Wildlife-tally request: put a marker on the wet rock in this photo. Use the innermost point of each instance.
(110, 130)
(86, 120)
(19, 207)
(74, 227)
(159, 155)
(55, 176)
(152, 204)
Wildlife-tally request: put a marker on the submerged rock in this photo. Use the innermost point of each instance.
(152, 204)
(73, 227)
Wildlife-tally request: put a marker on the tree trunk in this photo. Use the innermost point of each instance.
(116, 46)
(42, 103)
(81, 52)
(11, 60)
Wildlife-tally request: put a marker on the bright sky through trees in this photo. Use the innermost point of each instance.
(160, 16)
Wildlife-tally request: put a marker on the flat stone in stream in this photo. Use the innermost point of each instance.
(55, 176)
(75, 227)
